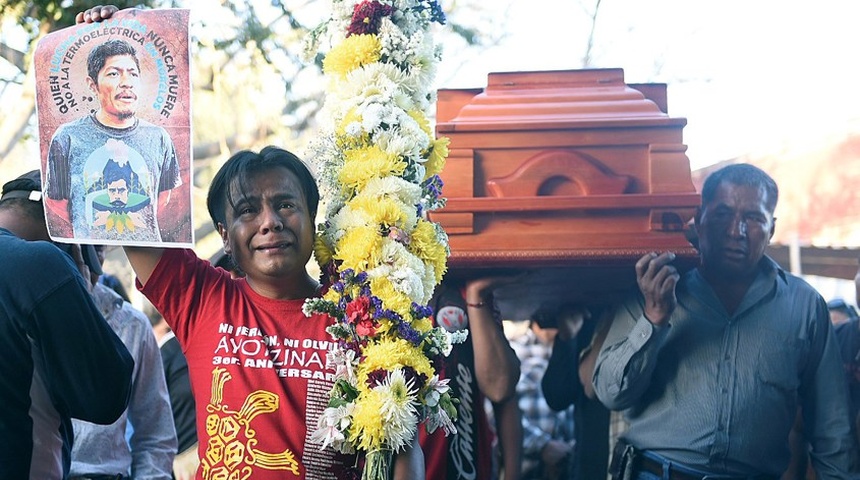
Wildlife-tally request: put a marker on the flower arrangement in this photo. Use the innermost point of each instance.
(377, 163)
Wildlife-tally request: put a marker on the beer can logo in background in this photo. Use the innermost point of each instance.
(452, 318)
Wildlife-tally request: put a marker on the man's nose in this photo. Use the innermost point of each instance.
(271, 220)
(738, 227)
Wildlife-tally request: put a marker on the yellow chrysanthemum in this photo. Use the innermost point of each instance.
(383, 211)
(422, 121)
(354, 52)
(359, 248)
(392, 299)
(367, 428)
(424, 244)
(422, 325)
(362, 164)
(390, 354)
(332, 295)
(321, 251)
(438, 153)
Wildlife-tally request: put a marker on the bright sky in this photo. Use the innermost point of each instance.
(749, 76)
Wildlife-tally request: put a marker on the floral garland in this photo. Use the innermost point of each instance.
(378, 163)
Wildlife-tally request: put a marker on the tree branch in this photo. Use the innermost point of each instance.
(13, 56)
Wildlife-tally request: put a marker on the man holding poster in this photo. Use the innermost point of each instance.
(115, 131)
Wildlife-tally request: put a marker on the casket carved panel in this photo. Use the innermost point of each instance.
(563, 169)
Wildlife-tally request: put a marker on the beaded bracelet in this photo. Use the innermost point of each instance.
(480, 304)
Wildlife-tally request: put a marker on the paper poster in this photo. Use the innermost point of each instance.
(114, 109)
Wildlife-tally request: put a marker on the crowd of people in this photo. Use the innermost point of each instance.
(735, 369)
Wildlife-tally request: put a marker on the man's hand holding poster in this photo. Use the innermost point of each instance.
(114, 109)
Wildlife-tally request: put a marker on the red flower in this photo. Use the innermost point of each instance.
(366, 17)
(358, 314)
(358, 310)
(366, 328)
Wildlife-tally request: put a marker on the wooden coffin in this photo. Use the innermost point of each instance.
(572, 169)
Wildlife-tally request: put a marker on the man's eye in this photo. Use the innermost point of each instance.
(287, 205)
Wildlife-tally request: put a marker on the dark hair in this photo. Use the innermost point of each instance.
(245, 163)
(32, 210)
(742, 174)
(113, 172)
(15, 195)
(98, 56)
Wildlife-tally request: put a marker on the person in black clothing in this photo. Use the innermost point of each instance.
(562, 386)
(59, 359)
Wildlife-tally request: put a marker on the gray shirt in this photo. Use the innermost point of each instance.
(79, 153)
(720, 392)
(148, 453)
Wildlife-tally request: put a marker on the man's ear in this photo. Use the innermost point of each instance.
(93, 86)
(772, 229)
(222, 230)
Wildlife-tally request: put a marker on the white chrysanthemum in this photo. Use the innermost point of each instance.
(371, 116)
(398, 409)
(348, 218)
(428, 281)
(374, 82)
(422, 66)
(407, 193)
(403, 269)
(407, 281)
(392, 141)
(412, 131)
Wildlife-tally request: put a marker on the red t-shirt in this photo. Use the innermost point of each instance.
(257, 369)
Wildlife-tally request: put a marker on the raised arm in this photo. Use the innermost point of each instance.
(509, 427)
(497, 367)
(626, 362)
(143, 260)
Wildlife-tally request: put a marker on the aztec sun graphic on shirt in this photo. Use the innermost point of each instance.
(231, 452)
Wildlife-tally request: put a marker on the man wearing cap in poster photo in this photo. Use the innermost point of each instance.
(139, 157)
(47, 315)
